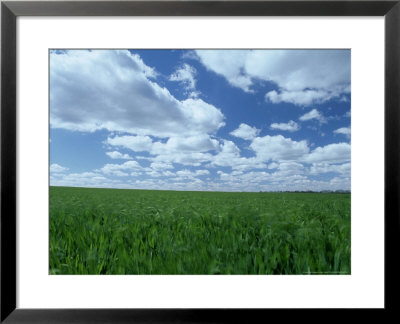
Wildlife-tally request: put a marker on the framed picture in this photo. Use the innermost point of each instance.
(173, 161)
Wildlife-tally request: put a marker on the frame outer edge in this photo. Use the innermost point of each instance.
(8, 162)
(202, 8)
(392, 153)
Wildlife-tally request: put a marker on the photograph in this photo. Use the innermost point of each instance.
(199, 161)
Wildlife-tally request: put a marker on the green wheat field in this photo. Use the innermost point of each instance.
(118, 231)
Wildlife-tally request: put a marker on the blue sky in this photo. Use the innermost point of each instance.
(219, 120)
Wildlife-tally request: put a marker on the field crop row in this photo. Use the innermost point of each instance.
(115, 231)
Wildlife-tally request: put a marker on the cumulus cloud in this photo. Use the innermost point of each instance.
(115, 90)
(344, 131)
(161, 166)
(313, 114)
(185, 158)
(134, 143)
(340, 183)
(303, 77)
(176, 144)
(191, 174)
(291, 126)
(118, 155)
(318, 168)
(289, 176)
(273, 165)
(290, 168)
(229, 64)
(278, 148)
(245, 131)
(56, 168)
(121, 169)
(301, 98)
(228, 152)
(189, 150)
(332, 153)
(86, 179)
(202, 172)
(229, 156)
(186, 75)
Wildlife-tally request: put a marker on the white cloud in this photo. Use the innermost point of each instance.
(159, 166)
(134, 143)
(121, 169)
(301, 98)
(318, 168)
(168, 174)
(291, 176)
(229, 156)
(273, 165)
(332, 153)
(184, 173)
(56, 168)
(313, 114)
(191, 174)
(344, 131)
(296, 70)
(190, 55)
(189, 150)
(202, 172)
(291, 126)
(186, 158)
(278, 148)
(229, 152)
(228, 63)
(153, 173)
(113, 90)
(86, 179)
(303, 77)
(340, 183)
(186, 75)
(290, 168)
(194, 94)
(177, 144)
(245, 131)
(281, 180)
(118, 155)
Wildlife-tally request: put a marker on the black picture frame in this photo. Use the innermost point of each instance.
(10, 10)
